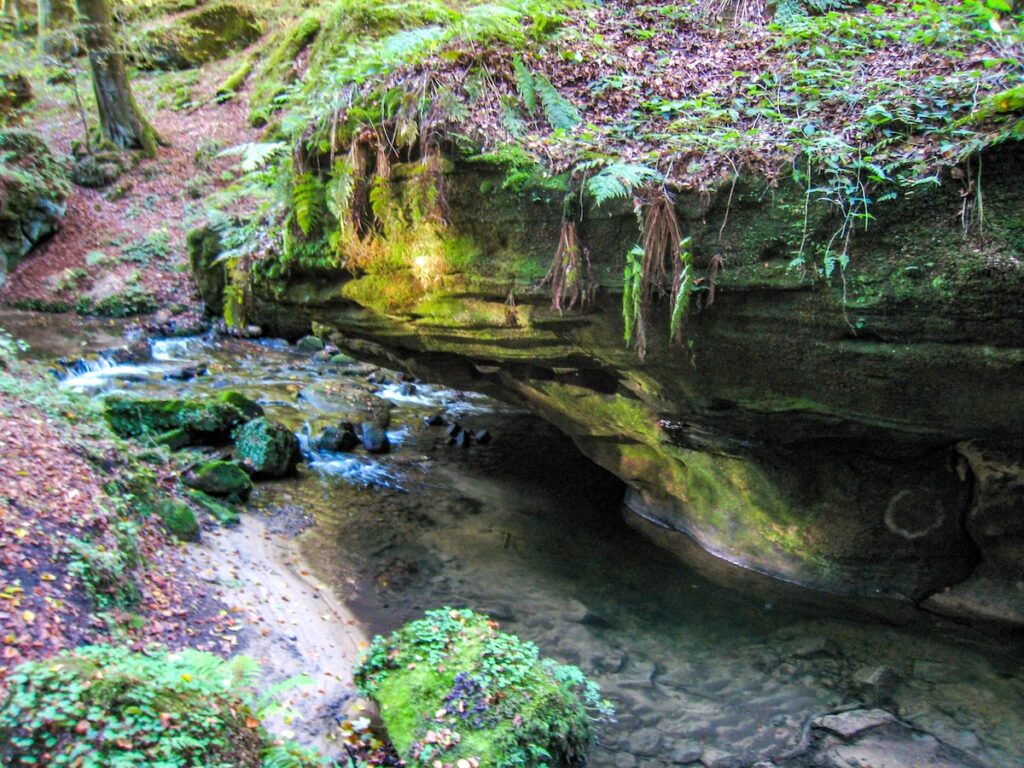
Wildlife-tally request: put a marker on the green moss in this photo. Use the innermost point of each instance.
(235, 80)
(220, 478)
(179, 519)
(452, 687)
(266, 449)
(278, 71)
(246, 406)
(199, 37)
(206, 422)
(222, 513)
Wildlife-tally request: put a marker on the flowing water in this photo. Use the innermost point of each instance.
(529, 531)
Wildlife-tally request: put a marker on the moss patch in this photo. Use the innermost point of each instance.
(452, 688)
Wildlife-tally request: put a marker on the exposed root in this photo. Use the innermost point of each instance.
(571, 276)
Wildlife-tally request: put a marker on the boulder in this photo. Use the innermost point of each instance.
(220, 478)
(206, 422)
(340, 439)
(15, 92)
(33, 187)
(309, 344)
(179, 519)
(210, 275)
(266, 448)
(374, 437)
(199, 37)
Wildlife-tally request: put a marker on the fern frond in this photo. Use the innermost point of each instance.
(558, 110)
(255, 155)
(340, 189)
(404, 45)
(620, 180)
(525, 84)
(488, 22)
(307, 198)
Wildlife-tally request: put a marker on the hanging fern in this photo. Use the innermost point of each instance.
(307, 201)
(339, 191)
(619, 181)
(682, 287)
(632, 288)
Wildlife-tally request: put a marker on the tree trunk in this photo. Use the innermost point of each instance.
(120, 118)
(56, 36)
(11, 11)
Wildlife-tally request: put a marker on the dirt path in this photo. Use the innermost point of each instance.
(294, 624)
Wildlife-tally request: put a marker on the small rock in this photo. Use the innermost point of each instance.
(406, 389)
(310, 344)
(814, 648)
(464, 439)
(453, 429)
(342, 359)
(220, 478)
(482, 437)
(340, 439)
(185, 373)
(681, 754)
(434, 420)
(716, 758)
(375, 439)
(877, 682)
(646, 741)
(857, 721)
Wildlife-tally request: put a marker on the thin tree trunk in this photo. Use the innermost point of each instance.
(11, 11)
(56, 36)
(120, 118)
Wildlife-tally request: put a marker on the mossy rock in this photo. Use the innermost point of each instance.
(179, 519)
(266, 449)
(452, 688)
(279, 70)
(205, 422)
(248, 407)
(33, 188)
(222, 513)
(204, 249)
(15, 92)
(199, 37)
(220, 478)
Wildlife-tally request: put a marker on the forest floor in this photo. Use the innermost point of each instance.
(131, 234)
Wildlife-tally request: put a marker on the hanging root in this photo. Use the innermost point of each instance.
(511, 314)
(570, 276)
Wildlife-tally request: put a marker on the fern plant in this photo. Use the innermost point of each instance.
(537, 91)
(682, 287)
(617, 180)
(307, 198)
(632, 288)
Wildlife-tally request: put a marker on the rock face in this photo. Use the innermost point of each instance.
(33, 187)
(859, 435)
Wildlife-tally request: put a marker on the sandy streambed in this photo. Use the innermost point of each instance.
(291, 623)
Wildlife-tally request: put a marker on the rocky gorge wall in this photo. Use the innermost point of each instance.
(860, 435)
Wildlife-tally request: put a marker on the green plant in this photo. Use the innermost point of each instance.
(107, 572)
(453, 688)
(107, 707)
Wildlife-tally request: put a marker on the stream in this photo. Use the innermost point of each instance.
(527, 530)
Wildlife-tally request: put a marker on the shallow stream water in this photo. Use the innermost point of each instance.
(529, 531)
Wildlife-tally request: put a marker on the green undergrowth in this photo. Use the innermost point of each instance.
(453, 689)
(107, 707)
(856, 105)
